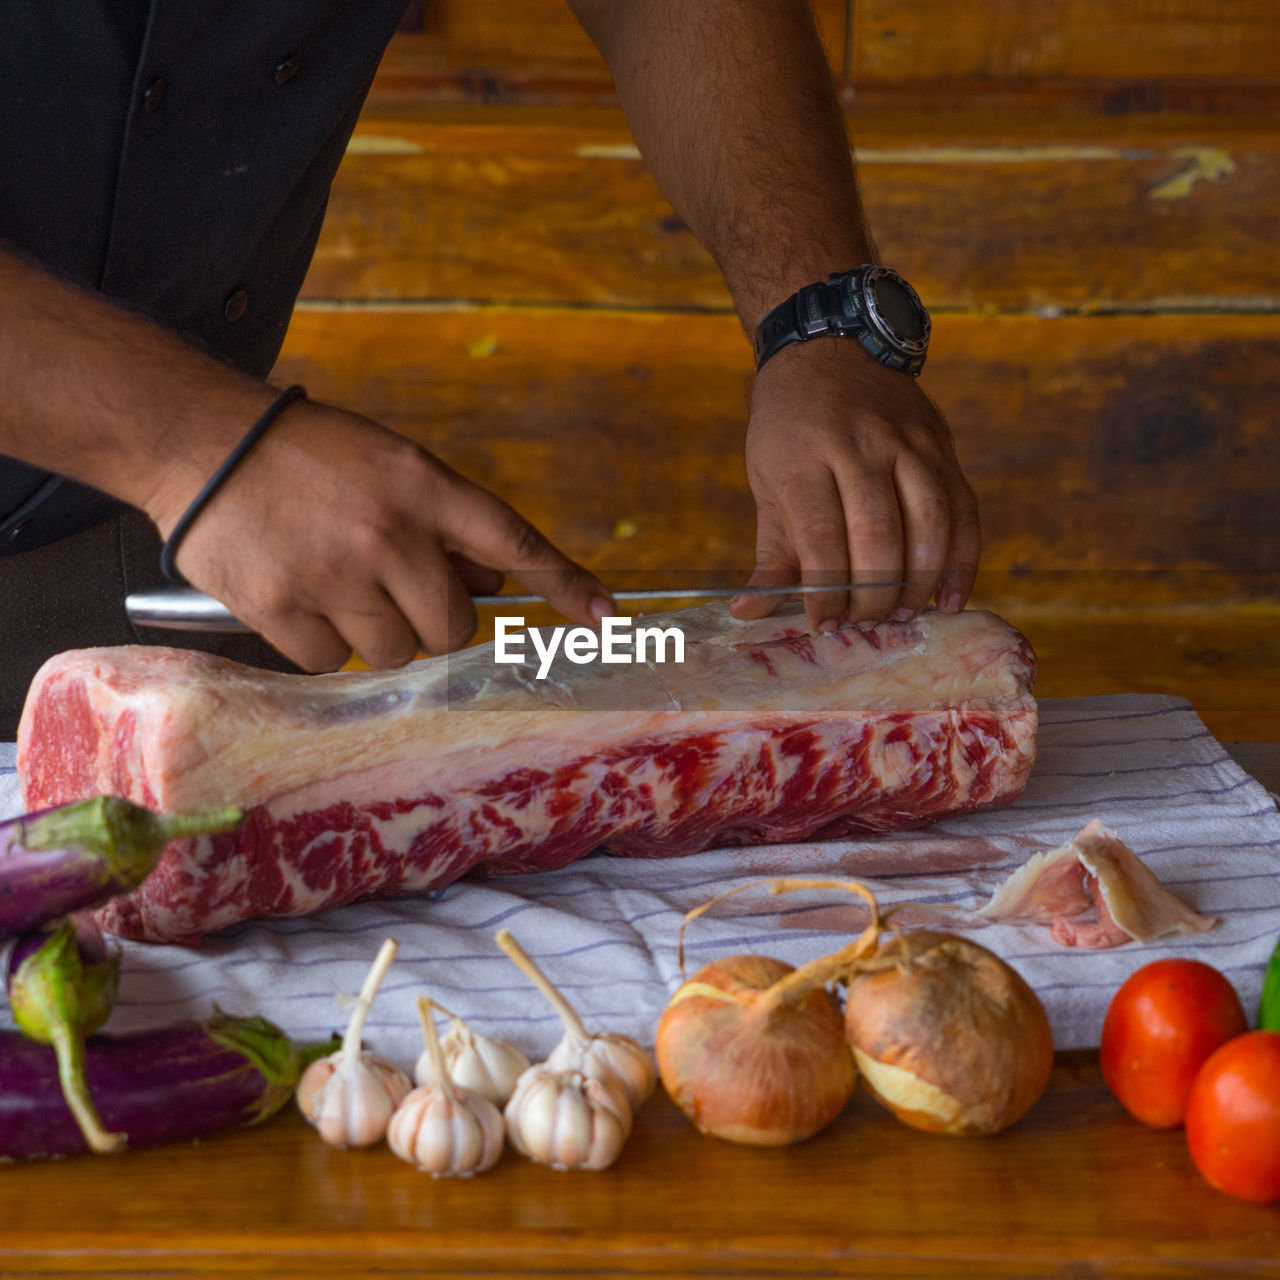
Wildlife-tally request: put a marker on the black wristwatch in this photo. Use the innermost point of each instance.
(873, 304)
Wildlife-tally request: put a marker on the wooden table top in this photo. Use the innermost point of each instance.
(1077, 1189)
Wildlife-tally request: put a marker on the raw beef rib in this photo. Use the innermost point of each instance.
(386, 784)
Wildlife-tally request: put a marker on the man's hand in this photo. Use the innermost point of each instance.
(855, 480)
(734, 108)
(335, 534)
(332, 534)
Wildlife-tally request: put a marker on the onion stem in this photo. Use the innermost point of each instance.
(702, 909)
(817, 973)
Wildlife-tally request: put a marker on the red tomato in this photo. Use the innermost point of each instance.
(1233, 1117)
(1160, 1027)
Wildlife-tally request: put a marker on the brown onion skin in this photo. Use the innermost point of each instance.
(961, 1020)
(747, 1075)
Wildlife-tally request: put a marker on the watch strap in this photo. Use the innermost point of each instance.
(809, 312)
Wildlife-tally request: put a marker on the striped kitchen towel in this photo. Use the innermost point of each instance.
(605, 928)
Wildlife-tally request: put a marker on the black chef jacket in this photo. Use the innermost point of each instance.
(175, 156)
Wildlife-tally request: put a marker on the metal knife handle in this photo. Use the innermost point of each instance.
(181, 609)
(186, 609)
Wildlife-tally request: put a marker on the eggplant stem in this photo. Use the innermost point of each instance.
(126, 836)
(528, 966)
(364, 1002)
(69, 1048)
(431, 1038)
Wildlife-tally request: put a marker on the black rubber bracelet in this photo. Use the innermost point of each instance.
(216, 481)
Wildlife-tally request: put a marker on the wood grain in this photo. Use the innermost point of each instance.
(514, 47)
(1097, 445)
(1140, 39)
(550, 205)
(509, 48)
(1076, 1184)
(1224, 661)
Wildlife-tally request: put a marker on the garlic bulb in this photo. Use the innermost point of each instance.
(351, 1102)
(607, 1056)
(566, 1120)
(486, 1065)
(443, 1128)
(350, 1095)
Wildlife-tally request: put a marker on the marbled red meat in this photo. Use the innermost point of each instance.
(382, 784)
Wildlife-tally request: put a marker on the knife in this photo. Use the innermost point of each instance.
(186, 609)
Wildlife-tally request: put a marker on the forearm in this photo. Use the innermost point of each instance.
(101, 395)
(733, 107)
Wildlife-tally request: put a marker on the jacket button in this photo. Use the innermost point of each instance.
(154, 95)
(235, 304)
(286, 69)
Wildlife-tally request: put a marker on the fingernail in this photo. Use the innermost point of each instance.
(950, 602)
(602, 608)
(902, 615)
(828, 624)
(866, 625)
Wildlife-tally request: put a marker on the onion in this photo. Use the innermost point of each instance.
(752, 1049)
(946, 1034)
(749, 1065)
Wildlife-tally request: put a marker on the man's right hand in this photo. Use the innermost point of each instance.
(335, 534)
(332, 534)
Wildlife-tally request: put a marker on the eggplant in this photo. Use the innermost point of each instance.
(62, 987)
(170, 1084)
(75, 856)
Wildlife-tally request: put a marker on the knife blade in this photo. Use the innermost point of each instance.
(186, 609)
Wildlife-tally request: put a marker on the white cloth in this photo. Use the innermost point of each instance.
(605, 928)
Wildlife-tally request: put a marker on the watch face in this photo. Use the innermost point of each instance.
(897, 311)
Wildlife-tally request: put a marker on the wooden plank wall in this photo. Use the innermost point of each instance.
(1086, 193)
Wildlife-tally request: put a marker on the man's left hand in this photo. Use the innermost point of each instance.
(855, 480)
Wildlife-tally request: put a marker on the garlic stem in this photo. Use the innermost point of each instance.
(448, 1013)
(525, 963)
(364, 1002)
(431, 1038)
(455, 1019)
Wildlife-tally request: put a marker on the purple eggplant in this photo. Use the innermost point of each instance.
(78, 855)
(62, 986)
(171, 1084)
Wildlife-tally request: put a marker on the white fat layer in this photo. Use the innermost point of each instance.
(205, 729)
